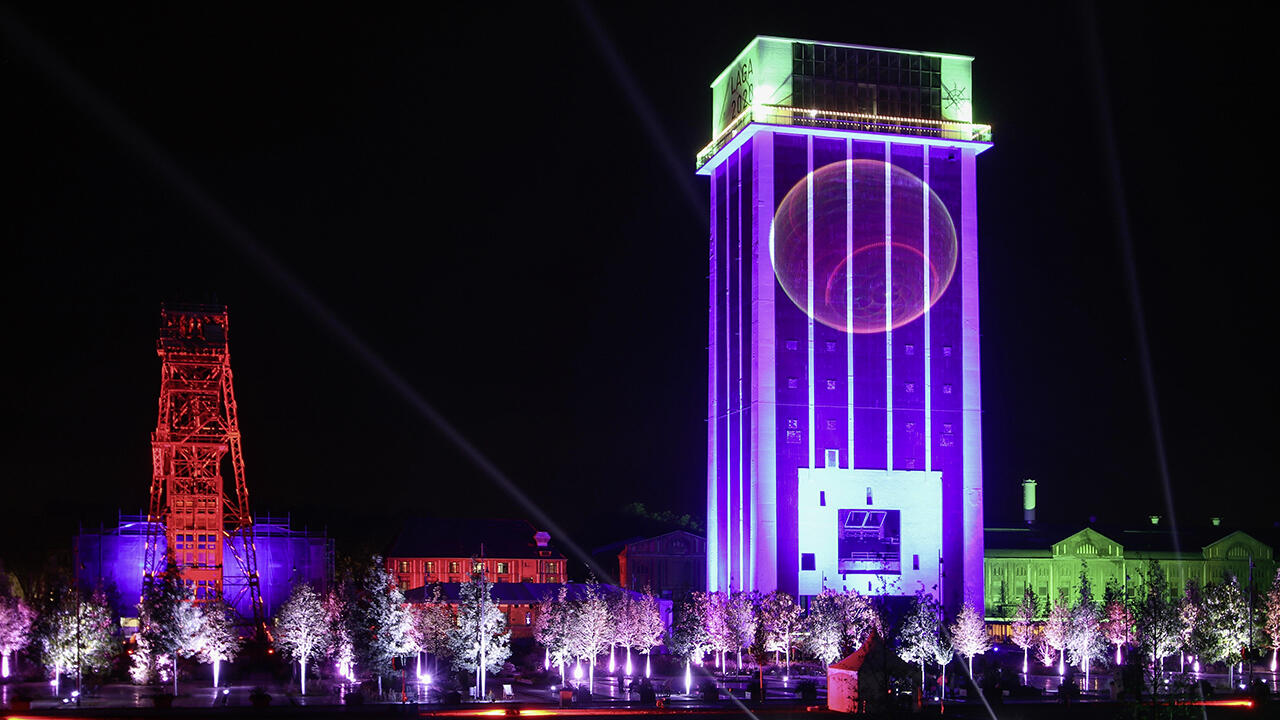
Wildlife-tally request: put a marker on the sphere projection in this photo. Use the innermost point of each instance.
(851, 279)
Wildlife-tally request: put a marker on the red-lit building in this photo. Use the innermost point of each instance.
(442, 551)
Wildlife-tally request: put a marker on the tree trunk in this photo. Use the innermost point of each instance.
(175, 674)
(303, 667)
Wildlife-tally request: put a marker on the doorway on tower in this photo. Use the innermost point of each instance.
(869, 541)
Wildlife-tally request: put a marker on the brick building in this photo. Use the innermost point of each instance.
(673, 564)
(442, 551)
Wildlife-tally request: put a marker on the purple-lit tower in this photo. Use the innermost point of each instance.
(844, 443)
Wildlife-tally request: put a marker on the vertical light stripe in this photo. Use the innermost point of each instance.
(765, 515)
(888, 307)
(928, 357)
(742, 432)
(726, 579)
(848, 280)
(971, 373)
(713, 499)
(809, 281)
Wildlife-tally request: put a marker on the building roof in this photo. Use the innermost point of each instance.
(1038, 540)
(505, 593)
(460, 537)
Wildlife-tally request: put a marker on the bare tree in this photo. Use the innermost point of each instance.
(1023, 628)
(969, 634)
(301, 628)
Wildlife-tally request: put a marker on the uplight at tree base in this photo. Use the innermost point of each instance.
(863, 283)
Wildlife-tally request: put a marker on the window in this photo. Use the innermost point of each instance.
(832, 424)
(946, 427)
(830, 345)
(404, 566)
(832, 458)
(791, 344)
(429, 566)
(504, 568)
(946, 351)
(793, 424)
(909, 349)
(822, 498)
(831, 384)
(550, 567)
(794, 437)
(868, 496)
(793, 383)
(477, 567)
(909, 387)
(528, 618)
(915, 562)
(455, 566)
(946, 389)
(807, 562)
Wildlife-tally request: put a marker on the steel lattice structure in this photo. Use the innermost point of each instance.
(201, 520)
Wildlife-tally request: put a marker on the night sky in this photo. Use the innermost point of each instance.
(475, 192)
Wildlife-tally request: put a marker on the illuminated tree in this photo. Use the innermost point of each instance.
(943, 651)
(920, 633)
(718, 633)
(1117, 620)
(1190, 634)
(622, 617)
(16, 618)
(301, 628)
(551, 627)
(837, 623)
(1057, 628)
(1084, 635)
(340, 649)
(740, 615)
(432, 621)
(376, 619)
(77, 629)
(646, 627)
(1045, 653)
(219, 640)
(1023, 627)
(1226, 622)
(689, 637)
(480, 642)
(969, 634)
(170, 625)
(1271, 617)
(781, 617)
(1157, 622)
(589, 631)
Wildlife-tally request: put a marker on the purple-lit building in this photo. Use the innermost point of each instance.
(111, 558)
(844, 409)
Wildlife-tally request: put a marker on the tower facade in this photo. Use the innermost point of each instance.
(193, 518)
(844, 410)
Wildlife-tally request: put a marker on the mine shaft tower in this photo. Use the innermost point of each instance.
(201, 520)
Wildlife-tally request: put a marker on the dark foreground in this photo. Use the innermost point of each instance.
(1015, 711)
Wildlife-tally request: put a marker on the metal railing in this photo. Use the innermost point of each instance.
(836, 120)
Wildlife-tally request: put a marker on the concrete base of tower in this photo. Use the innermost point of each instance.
(874, 531)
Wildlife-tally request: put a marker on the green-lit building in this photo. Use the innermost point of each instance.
(1051, 559)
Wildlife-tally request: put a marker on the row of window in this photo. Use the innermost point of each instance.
(809, 562)
(831, 346)
(455, 567)
(793, 383)
(199, 541)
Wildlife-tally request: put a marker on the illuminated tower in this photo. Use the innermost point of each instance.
(844, 411)
(201, 521)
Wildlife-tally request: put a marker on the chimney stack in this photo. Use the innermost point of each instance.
(1029, 501)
